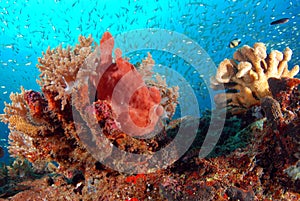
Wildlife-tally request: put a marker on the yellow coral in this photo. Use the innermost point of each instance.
(19, 123)
(248, 74)
(17, 107)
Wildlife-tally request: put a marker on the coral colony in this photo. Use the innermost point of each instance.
(250, 75)
(41, 124)
(257, 157)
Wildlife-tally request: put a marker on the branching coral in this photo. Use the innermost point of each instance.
(246, 77)
(36, 133)
(145, 68)
(59, 68)
(17, 114)
(17, 107)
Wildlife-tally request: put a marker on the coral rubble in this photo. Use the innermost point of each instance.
(246, 76)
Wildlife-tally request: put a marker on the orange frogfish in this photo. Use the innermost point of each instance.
(136, 105)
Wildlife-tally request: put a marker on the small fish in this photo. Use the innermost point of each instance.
(124, 8)
(132, 21)
(74, 3)
(234, 43)
(280, 21)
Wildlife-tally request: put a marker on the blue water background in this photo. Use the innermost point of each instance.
(28, 27)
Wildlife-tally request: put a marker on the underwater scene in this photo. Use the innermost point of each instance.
(135, 100)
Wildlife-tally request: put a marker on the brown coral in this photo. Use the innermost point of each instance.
(247, 75)
(41, 126)
(59, 68)
(282, 113)
(17, 107)
(272, 111)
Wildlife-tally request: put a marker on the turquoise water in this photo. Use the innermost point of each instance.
(28, 27)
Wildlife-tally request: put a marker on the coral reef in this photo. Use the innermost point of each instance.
(255, 159)
(246, 76)
(41, 124)
(244, 174)
(283, 114)
(257, 78)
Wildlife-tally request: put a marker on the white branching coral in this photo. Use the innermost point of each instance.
(169, 95)
(146, 67)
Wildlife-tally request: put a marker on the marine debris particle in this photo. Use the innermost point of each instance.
(246, 76)
(280, 21)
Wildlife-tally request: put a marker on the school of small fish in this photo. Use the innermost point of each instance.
(28, 27)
